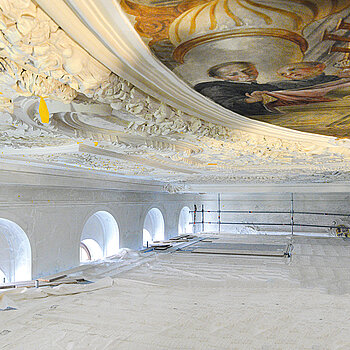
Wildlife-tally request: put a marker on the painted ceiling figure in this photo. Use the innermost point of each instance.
(238, 90)
(303, 75)
(232, 91)
(306, 84)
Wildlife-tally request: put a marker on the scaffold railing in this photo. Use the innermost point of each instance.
(290, 212)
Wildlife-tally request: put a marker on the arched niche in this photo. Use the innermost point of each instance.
(90, 250)
(2, 277)
(15, 253)
(153, 226)
(100, 237)
(185, 218)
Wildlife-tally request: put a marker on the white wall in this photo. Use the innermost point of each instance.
(52, 210)
(54, 218)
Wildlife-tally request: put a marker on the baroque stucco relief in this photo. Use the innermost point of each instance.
(31, 39)
(16, 81)
(120, 123)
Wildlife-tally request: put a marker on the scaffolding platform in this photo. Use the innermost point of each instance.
(240, 249)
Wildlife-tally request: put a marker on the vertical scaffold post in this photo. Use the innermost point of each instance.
(219, 212)
(202, 218)
(194, 230)
(292, 214)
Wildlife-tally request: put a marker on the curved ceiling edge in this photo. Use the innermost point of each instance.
(102, 29)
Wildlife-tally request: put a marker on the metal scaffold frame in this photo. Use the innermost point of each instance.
(292, 212)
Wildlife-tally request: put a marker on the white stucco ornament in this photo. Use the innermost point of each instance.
(176, 188)
(30, 38)
(16, 81)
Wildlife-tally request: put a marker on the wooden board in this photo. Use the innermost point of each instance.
(51, 278)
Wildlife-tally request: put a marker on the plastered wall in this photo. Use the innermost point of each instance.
(53, 218)
(52, 210)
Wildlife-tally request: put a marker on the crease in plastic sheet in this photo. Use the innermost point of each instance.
(6, 303)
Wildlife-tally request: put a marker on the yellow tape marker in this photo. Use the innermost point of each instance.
(43, 111)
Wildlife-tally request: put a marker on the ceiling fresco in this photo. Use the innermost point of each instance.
(279, 61)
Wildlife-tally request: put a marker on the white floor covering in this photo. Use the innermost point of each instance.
(197, 301)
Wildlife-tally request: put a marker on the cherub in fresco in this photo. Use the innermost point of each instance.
(238, 90)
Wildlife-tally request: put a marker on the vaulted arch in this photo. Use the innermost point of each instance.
(100, 237)
(15, 253)
(153, 227)
(185, 218)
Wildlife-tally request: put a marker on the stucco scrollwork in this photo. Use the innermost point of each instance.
(30, 38)
(16, 81)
